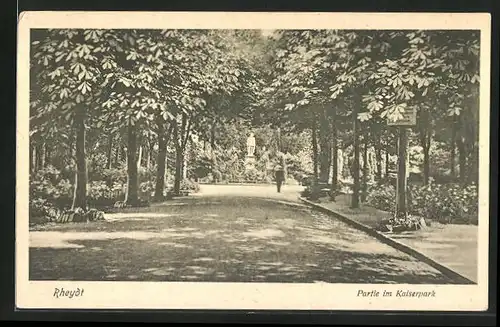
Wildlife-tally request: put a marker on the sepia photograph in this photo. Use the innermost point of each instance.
(280, 162)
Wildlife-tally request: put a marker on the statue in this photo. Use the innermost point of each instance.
(250, 145)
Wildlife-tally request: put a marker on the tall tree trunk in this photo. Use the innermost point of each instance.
(364, 177)
(140, 157)
(355, 169)
(32, 157)
(425, 142)
(140, 153)
(285, 170)
(149, 159)
(178, 160)
(469, 141)
(462, 155)
(35, 158)
(427, 168)
(325, 154)
(314, 128)
(341, 161)
(124, 152)
(109, 164)
(150, 154)
(278, 133)
(184, 164)
(178, 169)
(462, 159)
(160, 165)
(212, 137)
(453, 148)
(426, 145)
(473, 160)
(80, 191)
(473, 135)
(184, 143)
(335, 167)
(39, 156)
(387, 162)
(47, 153)
(72, 153)
(212, 154)
(42, 156)
(402, 188)
(132, 195)
(283, 158)
(117, 153)
(473, 166)
(378, 158)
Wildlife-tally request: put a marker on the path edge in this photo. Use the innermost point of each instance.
(393, 243)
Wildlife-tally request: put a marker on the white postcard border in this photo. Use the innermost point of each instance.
(247, 296)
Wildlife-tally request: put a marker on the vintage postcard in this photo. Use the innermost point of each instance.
(225, 160)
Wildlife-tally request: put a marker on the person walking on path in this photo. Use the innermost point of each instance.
(279, 176)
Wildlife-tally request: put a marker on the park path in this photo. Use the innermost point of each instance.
(224, 233)
(289, 193)
(454, 246)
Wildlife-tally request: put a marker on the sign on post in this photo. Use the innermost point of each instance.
(408, 118)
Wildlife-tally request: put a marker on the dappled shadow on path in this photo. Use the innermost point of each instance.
(235, 240)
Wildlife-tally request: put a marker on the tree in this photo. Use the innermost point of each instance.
(68, 75)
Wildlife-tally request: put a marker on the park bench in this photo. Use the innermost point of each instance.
(322, 188)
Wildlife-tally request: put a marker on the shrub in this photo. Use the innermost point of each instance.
(68, 172)
(115, 175)
(383, 197)
(306, 180)
(146, 174)
(48, 190)
(169, 179)
(147, 188)
(252, 176)
(39, 210)
(119, 187)
(189, 185)
(98, 190)
(267, 179)
(217, 175)
(99, 194)
(48, 184)
(443, 202)
(446, 202)
(96, 163)
(345, 188)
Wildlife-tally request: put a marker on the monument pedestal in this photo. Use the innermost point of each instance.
(249, 163)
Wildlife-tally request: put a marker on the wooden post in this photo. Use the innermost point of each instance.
(401, 190)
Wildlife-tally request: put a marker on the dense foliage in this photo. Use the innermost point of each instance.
(446, 203)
